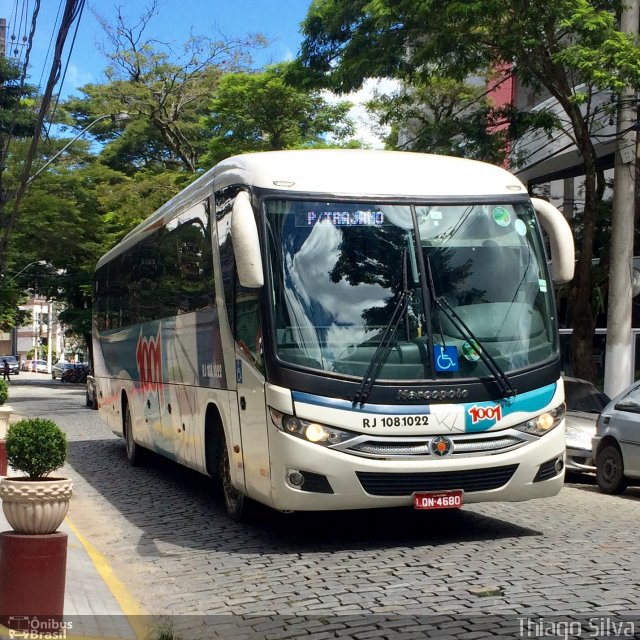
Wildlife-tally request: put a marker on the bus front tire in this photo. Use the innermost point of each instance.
(239, 507)
(135, 452)
(610, 471)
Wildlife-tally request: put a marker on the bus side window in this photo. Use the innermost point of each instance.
(243, 308)
(186, 269)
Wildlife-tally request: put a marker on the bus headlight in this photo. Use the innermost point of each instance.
(309, 431)
(543, 423)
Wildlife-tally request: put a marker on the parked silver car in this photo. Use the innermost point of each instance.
(584, 404)
(59, 368)
(616, 445)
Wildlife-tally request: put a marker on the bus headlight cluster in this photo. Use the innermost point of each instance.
(309, 431)
(543, 423)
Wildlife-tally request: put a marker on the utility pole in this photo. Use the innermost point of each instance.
(50, 336)
(3, 36)
(618, 372)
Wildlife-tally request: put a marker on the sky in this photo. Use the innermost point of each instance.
(176, 20)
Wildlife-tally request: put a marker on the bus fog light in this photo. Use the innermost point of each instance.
(295, 478)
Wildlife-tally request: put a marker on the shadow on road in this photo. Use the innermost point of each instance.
(170, 503)
(587, 482)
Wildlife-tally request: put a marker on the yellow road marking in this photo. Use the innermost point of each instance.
(130, 607)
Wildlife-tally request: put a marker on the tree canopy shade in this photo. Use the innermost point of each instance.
(259, 111)
(567, 48)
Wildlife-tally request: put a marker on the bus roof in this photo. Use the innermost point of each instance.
(356, 172)
(341, 172)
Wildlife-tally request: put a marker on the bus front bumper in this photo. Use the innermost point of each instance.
(338, 480)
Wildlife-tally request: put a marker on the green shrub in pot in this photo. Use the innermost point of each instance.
(36, 503)
(36, 446)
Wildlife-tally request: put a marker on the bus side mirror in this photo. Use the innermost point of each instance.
(560, 239)
(246, 244)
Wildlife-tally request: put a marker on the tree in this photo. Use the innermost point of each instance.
(452, 117)
(17, 121)
(259, 111)
(568, 48)
(166, 94)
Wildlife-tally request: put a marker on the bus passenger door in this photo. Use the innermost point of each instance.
(252, 414)
(250, 383)
(243, 330)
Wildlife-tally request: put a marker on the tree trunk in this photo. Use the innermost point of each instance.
(583, 316)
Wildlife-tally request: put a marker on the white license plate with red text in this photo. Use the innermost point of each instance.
(438, 499)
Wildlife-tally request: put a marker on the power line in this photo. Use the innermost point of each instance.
(66, 65)
(51, 38)
(73, 8)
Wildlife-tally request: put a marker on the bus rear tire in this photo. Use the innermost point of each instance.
(239, 507)
(135, 453)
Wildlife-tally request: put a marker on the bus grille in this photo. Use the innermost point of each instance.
(380, 448)
(404, 484)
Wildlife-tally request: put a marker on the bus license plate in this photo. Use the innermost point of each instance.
(438, 499)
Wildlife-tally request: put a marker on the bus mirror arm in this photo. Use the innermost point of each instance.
(560, 239)
(246, 244)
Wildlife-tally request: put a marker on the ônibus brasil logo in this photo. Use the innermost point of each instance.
(485, 413)
(149, 359)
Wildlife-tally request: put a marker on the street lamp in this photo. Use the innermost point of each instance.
(116, 117)
(15, 275)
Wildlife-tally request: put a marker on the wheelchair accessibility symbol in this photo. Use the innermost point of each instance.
(445, 358)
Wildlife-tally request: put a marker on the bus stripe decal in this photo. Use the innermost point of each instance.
(347, 405)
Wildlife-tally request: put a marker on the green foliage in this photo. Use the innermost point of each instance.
(36, 446)
(165, 92)
(555, 44)
(449, 117)
(17, 118)
(163, 629)
(4, 391)
(259, 111)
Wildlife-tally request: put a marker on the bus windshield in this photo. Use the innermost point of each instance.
(341, 271)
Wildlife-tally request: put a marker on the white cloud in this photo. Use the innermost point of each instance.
(76, 78)
(367, 129)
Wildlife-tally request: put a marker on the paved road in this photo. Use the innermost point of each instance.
(492, 570)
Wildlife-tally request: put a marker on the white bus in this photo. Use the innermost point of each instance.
(341, 329)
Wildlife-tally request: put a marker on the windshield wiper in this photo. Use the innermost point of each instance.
(382, 351)
(503, 382)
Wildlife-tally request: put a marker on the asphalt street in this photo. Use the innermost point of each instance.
(485, 571)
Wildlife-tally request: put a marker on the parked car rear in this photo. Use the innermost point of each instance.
(39, 366)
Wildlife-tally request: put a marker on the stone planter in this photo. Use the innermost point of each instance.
(35, 506)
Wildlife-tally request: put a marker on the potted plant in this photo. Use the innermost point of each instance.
(36, 503)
